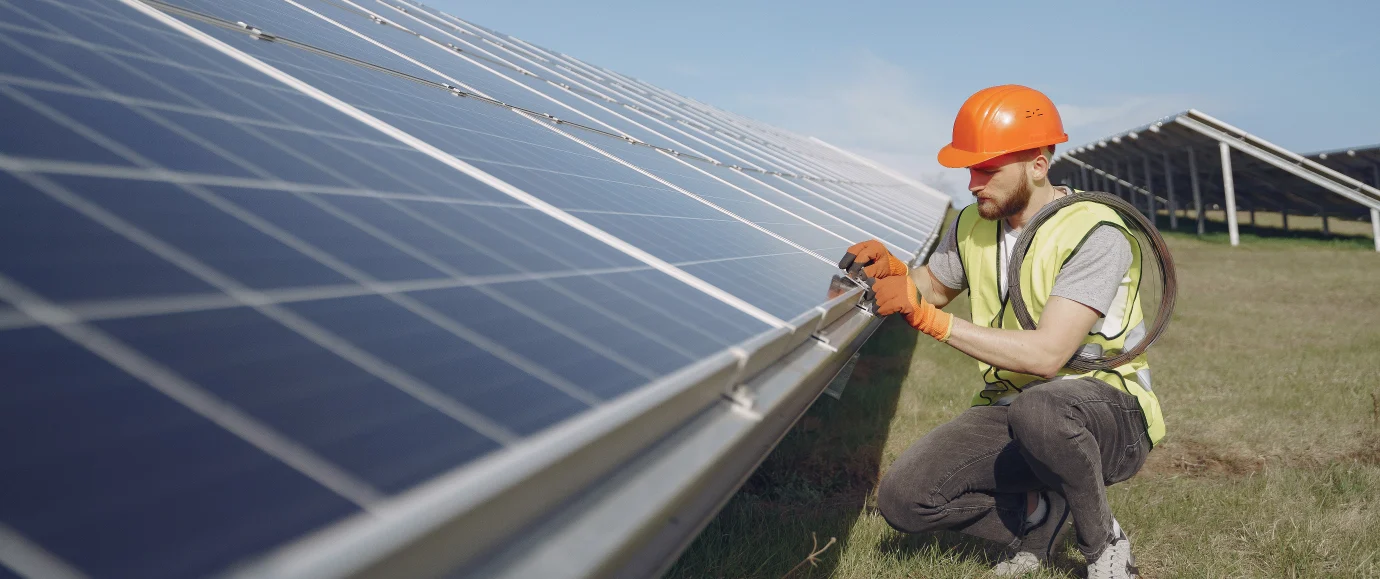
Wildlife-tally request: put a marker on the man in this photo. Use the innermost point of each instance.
(1041, 442)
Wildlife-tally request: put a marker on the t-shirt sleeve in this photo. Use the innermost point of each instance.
(1094, 273)
(945, 264)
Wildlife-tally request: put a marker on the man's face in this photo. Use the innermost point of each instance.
(1001, 185)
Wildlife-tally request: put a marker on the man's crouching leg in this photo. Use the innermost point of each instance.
(1080, 435)
(966, 475)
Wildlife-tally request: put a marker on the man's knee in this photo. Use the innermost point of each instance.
(903, 504)
(1038, 414)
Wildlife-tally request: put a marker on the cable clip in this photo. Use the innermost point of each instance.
(257, 33)
(455, 90)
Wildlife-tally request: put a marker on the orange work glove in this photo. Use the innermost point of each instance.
(897, 294)
(883, 264)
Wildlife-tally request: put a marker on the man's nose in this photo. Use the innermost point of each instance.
(976, 181)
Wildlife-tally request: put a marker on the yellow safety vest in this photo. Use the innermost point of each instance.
(1055, 242)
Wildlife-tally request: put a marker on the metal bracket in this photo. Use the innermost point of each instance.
(742, 401)
(257, 33)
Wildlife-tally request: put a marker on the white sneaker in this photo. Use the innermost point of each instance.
(1020, 564)
(1116, 561)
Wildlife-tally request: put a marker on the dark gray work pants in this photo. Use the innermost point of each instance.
(971, 475)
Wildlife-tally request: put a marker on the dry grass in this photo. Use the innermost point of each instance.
(1271, 467)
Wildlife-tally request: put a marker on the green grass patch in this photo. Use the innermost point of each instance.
(1271, 467)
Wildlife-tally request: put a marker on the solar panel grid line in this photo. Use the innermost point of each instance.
(28, 559)
(191, 395)
(438, 45)
(561, 290)
(574, 87)
(365, 361)
(708, 128)
(733, 123)
(114, 309)
(696, 197)
(644, 109)
(570, 85)
(169, 107)
(848, 209)
(185, 177)
(462, 166)
(869, 197)
(498, 296)
(406, 383)
(730, 144)
(317, 334)
(792, 159)
(601, 150)
(504, 481)
(428, 68)
(737, 135)
(739, 188)
(470, 93)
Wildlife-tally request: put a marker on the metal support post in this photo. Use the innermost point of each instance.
(1327, 231)
(1116, 172)
(1375, 226)
(1197, 192)
(1149, 190)
(1083, 170)
(1229, 189)
(1284, 214)
(1169, 192)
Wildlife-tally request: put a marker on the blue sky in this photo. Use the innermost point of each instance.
(885, 78)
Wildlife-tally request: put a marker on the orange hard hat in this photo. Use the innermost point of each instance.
(1000, 120)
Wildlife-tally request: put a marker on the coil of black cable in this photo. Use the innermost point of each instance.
(1133, 218)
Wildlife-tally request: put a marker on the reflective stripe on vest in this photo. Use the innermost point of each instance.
(1057, 240)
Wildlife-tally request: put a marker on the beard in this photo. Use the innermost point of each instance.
(1013, 205)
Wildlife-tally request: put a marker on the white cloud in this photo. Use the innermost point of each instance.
(1087, 122)
(872, 107)
(880, 110)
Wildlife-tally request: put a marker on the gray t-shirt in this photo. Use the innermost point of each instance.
(1091, 277)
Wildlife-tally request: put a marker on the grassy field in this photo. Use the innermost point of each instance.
(1271, 467)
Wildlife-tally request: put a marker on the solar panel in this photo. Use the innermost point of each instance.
(272, 267)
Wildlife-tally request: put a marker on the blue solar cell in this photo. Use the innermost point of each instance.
(497, 389)
(296, 215)
(65, 256)
(597, 374)
(213, 237)
(179, 152)
(120, 481)
(368, 426)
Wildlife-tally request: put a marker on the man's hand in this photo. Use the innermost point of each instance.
(882, 263)
(897, 294)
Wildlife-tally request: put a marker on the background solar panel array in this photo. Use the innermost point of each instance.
(231, 314)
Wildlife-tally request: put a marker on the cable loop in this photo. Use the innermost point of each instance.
(1134, 218)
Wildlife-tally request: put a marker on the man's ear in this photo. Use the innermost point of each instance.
(1039, 166)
